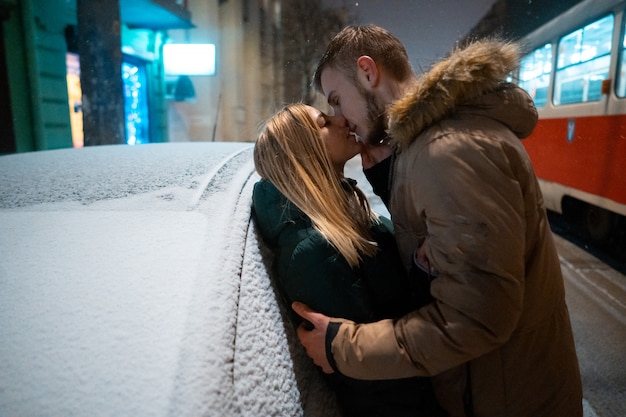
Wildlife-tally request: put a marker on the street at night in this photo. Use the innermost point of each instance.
(596, 296)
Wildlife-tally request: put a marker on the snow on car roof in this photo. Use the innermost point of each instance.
(92, 174)
(132, 283)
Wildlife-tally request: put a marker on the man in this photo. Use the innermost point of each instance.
(497, 337)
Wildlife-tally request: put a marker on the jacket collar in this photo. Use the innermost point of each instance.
(466, 74)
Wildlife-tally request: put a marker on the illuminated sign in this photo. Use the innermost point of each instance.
(189, 59)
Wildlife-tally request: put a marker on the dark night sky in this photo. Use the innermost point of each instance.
(428, 28)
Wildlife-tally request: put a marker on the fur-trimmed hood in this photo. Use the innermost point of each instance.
(466, 74)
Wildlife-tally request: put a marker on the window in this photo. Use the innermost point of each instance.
(534, 75)
(583, 63)
(621, 77)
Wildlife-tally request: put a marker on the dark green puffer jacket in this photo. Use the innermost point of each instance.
(308, 269)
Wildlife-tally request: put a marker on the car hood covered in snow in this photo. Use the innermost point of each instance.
(132, 282)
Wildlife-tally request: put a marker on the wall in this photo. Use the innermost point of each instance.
(194, 120)
(230, 105)
(36, 59)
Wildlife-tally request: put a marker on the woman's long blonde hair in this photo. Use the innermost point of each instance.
(291, 154)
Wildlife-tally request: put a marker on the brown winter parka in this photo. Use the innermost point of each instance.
(497, 337)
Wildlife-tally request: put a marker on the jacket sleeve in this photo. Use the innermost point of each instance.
(473, 203)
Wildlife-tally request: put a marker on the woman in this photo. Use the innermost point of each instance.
(332, 252)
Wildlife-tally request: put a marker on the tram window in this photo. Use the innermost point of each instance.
(534, 74)
(621, 77)
(583, 62)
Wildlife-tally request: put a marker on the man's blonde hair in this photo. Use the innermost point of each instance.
(291, 154)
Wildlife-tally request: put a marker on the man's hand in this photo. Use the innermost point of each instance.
(373, 154)
(312, 335)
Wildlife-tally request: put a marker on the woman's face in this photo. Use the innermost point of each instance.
(340, 144)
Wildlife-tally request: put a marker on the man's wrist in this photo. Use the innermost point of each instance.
(331, 332)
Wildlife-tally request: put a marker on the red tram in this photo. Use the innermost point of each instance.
(576, 72)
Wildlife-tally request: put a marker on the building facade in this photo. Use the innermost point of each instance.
(40, 83)
(41, 97)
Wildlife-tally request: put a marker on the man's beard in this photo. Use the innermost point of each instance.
(376, 117)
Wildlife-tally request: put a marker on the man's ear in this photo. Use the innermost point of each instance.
(368, 73)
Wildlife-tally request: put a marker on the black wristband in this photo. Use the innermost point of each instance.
(331, 332)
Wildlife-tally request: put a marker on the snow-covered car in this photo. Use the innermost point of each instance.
(133, 283)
